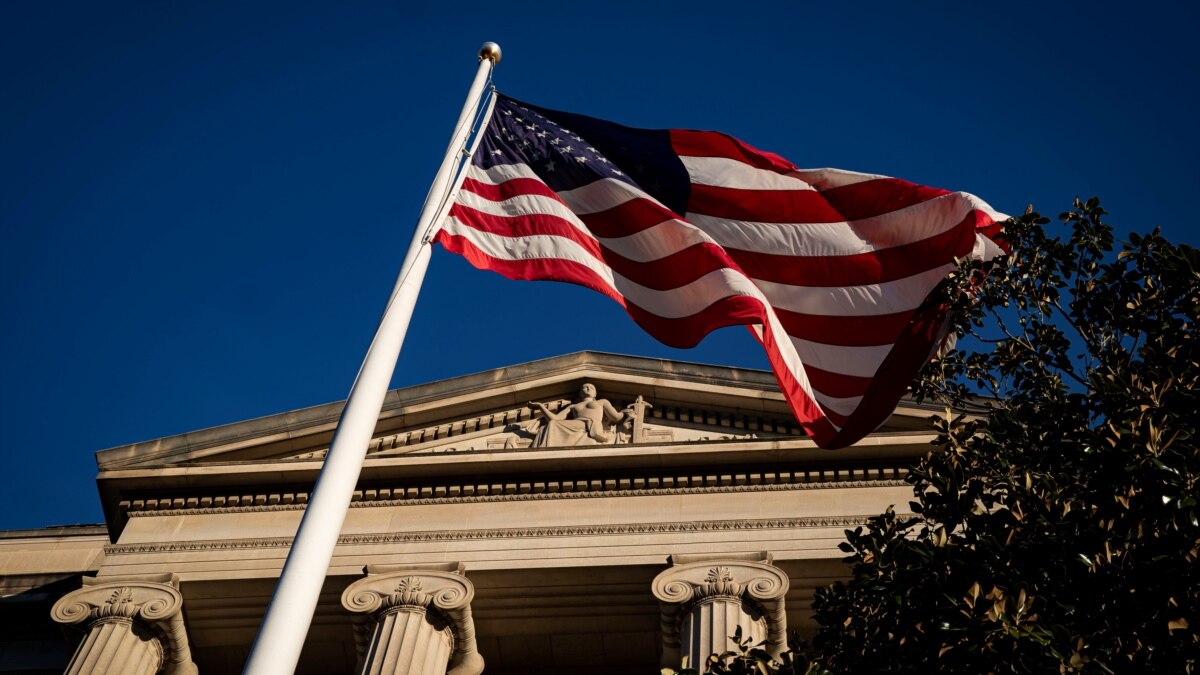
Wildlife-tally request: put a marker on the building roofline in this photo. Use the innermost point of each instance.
(246, 431)
(53, 531)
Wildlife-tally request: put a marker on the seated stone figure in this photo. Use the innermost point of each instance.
(587, 421)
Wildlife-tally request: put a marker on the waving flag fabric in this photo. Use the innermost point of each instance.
(692, 231)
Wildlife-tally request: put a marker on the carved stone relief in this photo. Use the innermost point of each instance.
(588, 420)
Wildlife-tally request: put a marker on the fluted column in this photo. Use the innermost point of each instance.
(414, 621)
(704, 602)
(134, 627)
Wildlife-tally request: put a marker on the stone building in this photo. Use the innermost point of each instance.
(516, 520)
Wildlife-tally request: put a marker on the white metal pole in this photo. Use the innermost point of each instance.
(276, 650)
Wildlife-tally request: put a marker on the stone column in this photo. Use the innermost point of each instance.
(134, 626)
(414, 620)
(705, 600)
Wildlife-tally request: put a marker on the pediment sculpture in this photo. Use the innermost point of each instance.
(587, 421)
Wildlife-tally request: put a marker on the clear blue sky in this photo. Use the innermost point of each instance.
(204, 205)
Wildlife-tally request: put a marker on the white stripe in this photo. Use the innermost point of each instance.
(603, 195)
(673, 303)
(500, 173)
(853, 361)
(672, 236)
(659, 241)
(732, 173)
(791, 360)
(522, 205)
(985, 249)
(913, 223)
(648, 245)
(842, 406)
(903, 226)
(827, 178)
(530, 248)
(866, 300)
(594, 197)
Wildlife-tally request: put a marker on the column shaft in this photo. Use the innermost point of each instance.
(417, 621)
(704, 601)
(708, 627)
(113, 647)
(405, 642)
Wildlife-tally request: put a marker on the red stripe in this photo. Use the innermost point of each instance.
(994, 231)
(670, 272)
(872, 198)
(762, 206)
(836, 385)
(810, 206)
(846, 331)
(683, 332)
(807, 412)
(883, 265)
(525, 226)
(891, 381)
(879, 266)
(627, 218)
(513, 187)
(688, 143)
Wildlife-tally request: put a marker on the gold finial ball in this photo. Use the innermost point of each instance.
(490, 51)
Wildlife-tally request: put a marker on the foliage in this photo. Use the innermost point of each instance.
(1054, 525)
(752, 659)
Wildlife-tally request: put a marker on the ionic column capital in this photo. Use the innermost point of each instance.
(444, 592)
(693, 580)
(154, 602)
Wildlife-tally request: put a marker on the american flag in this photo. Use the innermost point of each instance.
(691, 231)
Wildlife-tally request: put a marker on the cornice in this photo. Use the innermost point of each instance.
(508, 491)
(501, 533)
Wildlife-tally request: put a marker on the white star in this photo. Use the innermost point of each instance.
(497, 151)
(580, 158)
(543, 134)
(550, 166)
(519, 119)
(602, 158)
(508, 112)
(590, 148)
(618, 172)
(556, 141)
(566, 149)
(530, 127)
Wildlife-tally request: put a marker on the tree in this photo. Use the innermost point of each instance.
(1054, 524)
(752, 659)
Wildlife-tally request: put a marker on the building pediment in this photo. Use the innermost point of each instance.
(669, 402)
(506, 432)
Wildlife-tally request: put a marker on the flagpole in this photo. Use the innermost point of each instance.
(276, 650)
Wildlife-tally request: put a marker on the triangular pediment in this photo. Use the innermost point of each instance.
(519, 427)
(659, 402)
